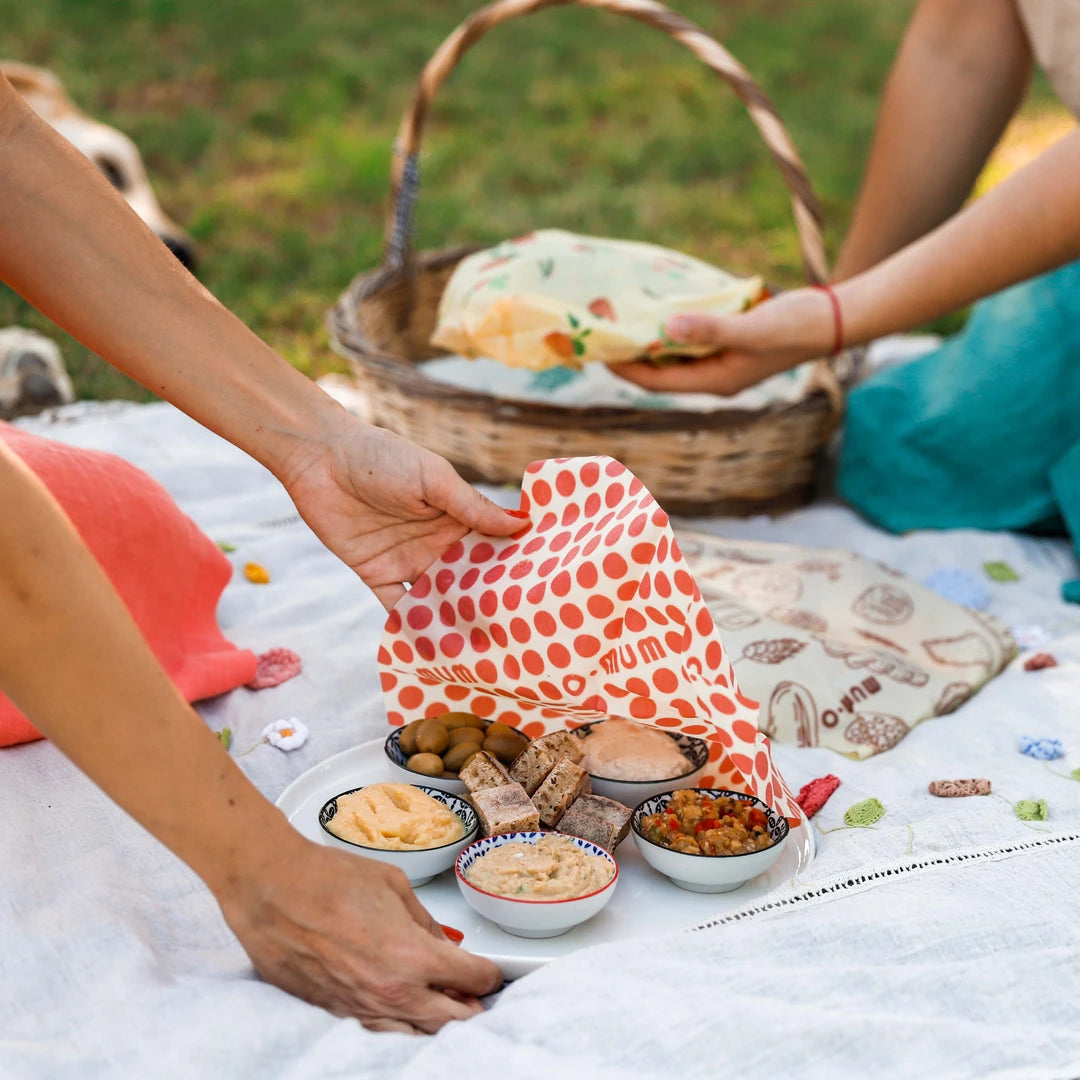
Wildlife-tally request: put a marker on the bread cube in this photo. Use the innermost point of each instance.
(505, 809)
(560, 788)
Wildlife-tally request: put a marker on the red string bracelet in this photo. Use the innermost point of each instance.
(838, 320)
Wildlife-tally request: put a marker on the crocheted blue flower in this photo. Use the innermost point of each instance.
(960, 586)
(1041, 749)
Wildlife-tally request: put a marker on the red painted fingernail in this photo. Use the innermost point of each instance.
(456, 936)
(518, 514)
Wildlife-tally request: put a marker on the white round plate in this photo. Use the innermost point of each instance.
(645, 903)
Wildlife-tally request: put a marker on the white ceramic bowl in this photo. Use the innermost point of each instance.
(709, 873)
(532, 918)
(397, 758)
(631, 792)
(419, 866)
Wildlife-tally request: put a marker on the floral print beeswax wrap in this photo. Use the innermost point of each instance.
(841, 651)
(590, 611)
(555, 298)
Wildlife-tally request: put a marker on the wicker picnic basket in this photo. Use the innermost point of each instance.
(724, 462)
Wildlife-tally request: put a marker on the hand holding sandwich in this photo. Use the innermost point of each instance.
(1027, 225)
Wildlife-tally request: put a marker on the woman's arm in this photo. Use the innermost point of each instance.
(1027, 225)
(343, 932)
(961, 72)
(71, 246)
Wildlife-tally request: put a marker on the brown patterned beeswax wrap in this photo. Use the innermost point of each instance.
(841, 651)
(590, 611)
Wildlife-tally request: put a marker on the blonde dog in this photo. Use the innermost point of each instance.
(110, 150)
(32, 375)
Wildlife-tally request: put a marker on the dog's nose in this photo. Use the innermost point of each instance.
(39, 391)
(35, 386)
(184, 252)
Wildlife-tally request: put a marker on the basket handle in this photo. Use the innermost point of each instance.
(405, 177)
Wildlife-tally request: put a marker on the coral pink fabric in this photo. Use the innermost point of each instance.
(167, 572)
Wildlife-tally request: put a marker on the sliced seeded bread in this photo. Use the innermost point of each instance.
(560, 788)
(532, 765)
(564, 744)
(485, 771)
(505, 809)
(601, 821)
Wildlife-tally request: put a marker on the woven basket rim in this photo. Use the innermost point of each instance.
(407, 376)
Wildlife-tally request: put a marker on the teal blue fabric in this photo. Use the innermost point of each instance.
(983, 432)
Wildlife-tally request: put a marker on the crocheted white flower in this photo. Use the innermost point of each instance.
(288, 734)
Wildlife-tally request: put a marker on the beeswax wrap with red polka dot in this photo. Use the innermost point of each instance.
(588, 612)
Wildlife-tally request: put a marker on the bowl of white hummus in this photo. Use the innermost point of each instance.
(536, 884)
(630, 762)
(420, 830)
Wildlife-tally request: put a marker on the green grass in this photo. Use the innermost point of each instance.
(266, 126)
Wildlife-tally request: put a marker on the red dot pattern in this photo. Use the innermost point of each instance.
(587, 611)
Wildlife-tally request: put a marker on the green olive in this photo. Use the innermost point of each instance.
(407, 738)
(432, 737)
(453, 720)
(455, 758)
(505, 747)
(466, 734)
(426, 764)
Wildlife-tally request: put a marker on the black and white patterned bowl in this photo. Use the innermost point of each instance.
(709, 873)
(397, 757)
(532, 918)
(631, 792)
(422, 865)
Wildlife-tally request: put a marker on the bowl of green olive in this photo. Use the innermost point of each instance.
(438, 748)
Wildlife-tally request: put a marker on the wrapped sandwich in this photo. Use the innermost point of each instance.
(555, 298)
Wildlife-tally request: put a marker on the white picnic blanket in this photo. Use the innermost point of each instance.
(940, 943)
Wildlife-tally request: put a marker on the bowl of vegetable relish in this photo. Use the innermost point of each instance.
(708, 839)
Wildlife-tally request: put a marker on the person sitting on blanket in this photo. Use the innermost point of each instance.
(983, 432)
(342, 932)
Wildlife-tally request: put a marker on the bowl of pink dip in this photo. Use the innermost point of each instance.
(630, 762)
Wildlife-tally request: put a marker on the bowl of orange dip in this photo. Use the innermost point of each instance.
(421, 830)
